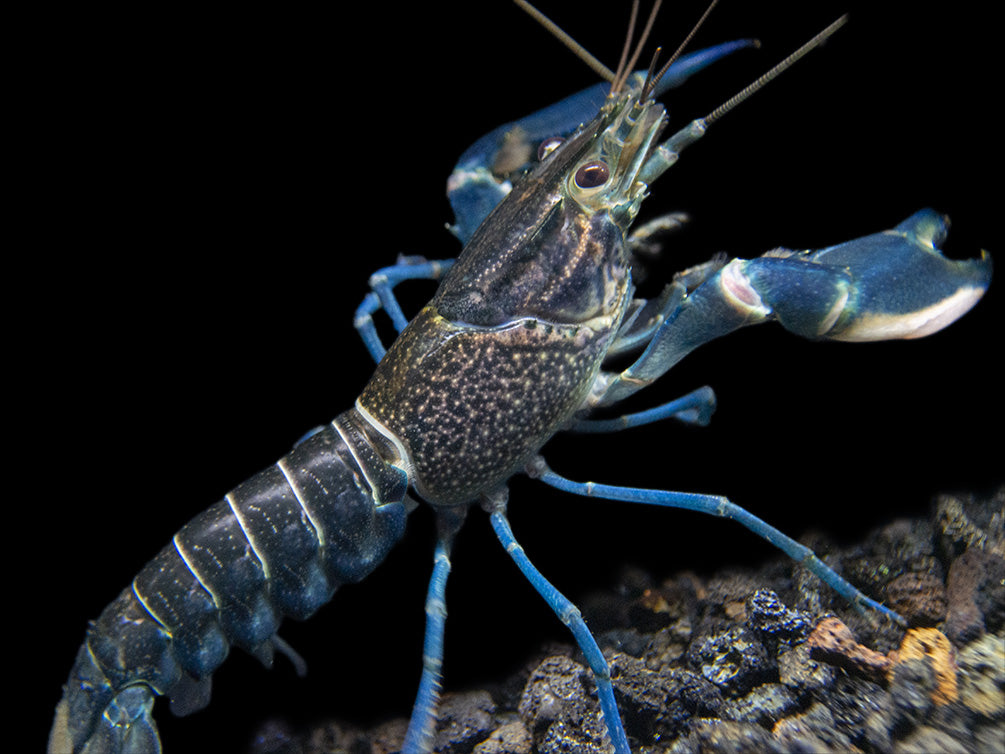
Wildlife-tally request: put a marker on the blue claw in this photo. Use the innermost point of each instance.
(904, 287)
(894, 284)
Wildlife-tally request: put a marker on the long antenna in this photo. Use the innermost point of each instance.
(773, 73)
(667, 152)
(577, 49)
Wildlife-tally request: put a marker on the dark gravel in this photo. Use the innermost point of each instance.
(763, 661)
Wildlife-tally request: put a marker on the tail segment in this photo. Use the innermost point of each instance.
(278, 545)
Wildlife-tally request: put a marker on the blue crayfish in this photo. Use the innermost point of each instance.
(511, 350)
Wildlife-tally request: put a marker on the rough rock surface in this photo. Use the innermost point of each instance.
(768, 661)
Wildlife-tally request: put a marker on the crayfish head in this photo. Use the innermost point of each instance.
(606, 179)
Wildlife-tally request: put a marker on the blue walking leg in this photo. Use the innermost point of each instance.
(720, 506)
(383, 282)
(696, 407)
(569, 614)
(363, 322)
(422, 726)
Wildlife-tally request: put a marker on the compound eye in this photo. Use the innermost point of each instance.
(548, 146)
(592, 174)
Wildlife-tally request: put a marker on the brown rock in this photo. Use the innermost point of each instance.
(919, 597)
(833, 642)
(967, 575)
(933, 646)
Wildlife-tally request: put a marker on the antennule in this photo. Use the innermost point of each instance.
(653, 81)
(620, 76)
(625, 72)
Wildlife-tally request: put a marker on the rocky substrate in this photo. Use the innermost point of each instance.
(765, 661)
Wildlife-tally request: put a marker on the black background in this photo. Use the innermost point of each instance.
(214, 187)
